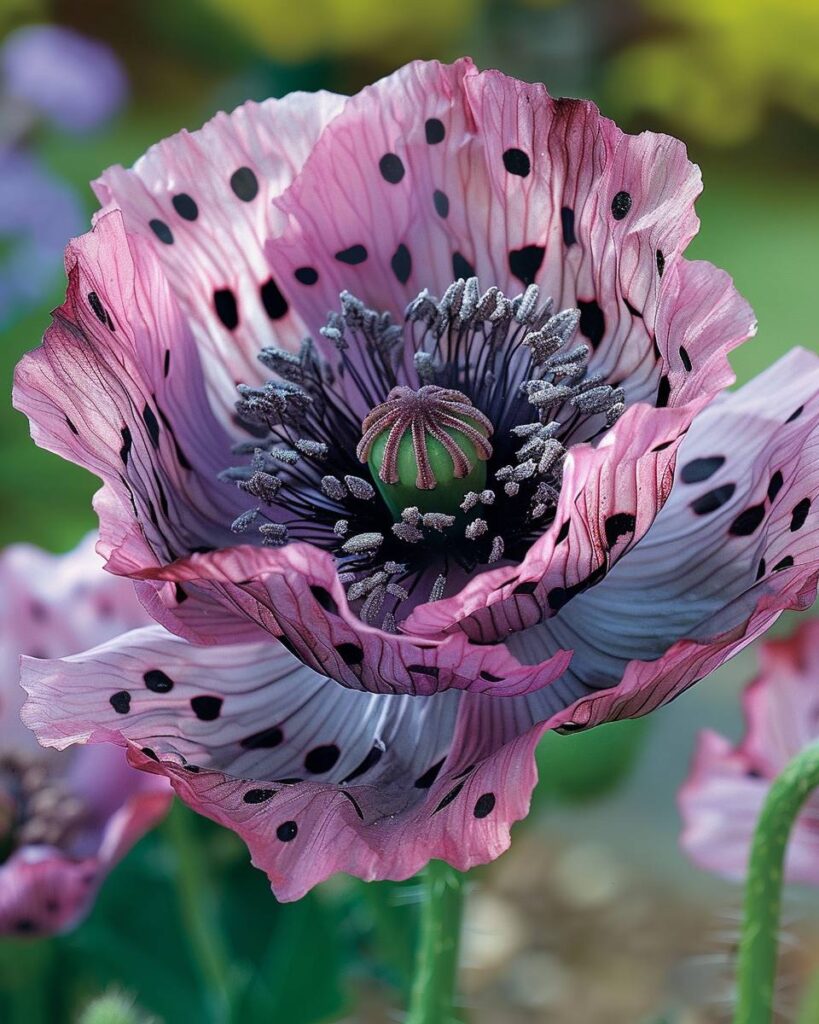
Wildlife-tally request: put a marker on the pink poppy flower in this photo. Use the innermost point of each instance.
(419, 538)
(723, 796)
(65, 819)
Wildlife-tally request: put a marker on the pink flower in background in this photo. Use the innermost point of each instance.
(65, 819)
(721, 801)
(456, 515)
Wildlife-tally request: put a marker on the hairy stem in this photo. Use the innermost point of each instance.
(436, 966)
(756, 971)
(196, 903)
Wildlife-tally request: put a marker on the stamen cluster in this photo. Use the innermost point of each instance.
(478, 363)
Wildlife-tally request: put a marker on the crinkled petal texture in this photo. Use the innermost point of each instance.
(243, 234)
(51, 605)
(721, 800)
(317, 778)
(320, 778)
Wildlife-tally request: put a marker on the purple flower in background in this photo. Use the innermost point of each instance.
(73, 81)
(38, 212)
(440, 518)
(46, 73)
(65, 819)
(721, 802)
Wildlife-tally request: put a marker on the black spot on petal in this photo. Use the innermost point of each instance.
(157, 681)
(484, 805)
(151, 424)
(401, 263)
(391, 167)
(592, 321)
(185, 206)
(800, 514)
(447, 800)
(748, 521)
(701, 469)
(559, 597)
(306, 275)
(434, 131)
(207, 708)
(353, 801)
(440, 201)
(567, 223)
(517, 162)
(370, 761)
(430, 775)
(275, 304)
(795, 414)
(325, 599)
(685, 358)
(353, 256)
(321, 759)
(619, 525)
(526, 262)
(489, 677)
(97, 306)
(161, 230)
(351, 654)
(120, 702)
(712, 500)
(620, 205)
(775, 486)
(663, 392)
(634, 311)
(258, 796)
(660, 262)
(784, 563)
(461, 267)
(267, 739)
(166, 363)
(127, 441)
(425, 670)
(563, 532)
(527, 587)
(760, 572)
(71, 427)
(224, 302)
(245, 184)
(150, 753)
(287, 831)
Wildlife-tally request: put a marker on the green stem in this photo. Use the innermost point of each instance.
(436, 966)
(809, 1007)
(756, 971)
(196, 904)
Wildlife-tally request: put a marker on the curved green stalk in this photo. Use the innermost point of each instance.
(436, 966)
(756, 971)
(809, 1007)
(198, 912)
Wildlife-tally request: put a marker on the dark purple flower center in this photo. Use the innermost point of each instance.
(437, 495)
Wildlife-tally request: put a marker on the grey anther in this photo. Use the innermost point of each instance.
(242, 523)
(333, 488)
(360, 488)
(274, 534)
(477, 528)
(438, 587)
(437, 521)
(363, 543)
